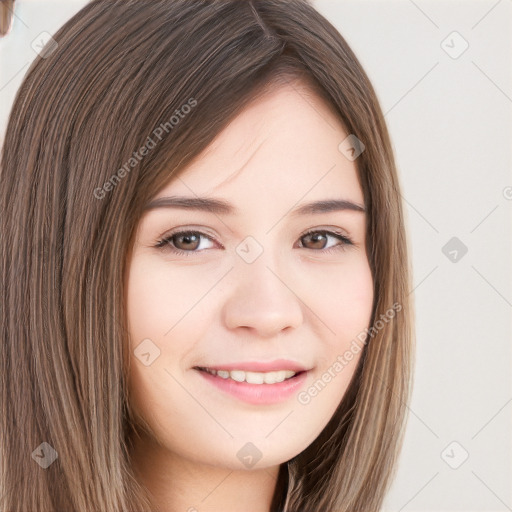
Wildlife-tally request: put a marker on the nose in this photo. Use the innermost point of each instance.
(262, 300)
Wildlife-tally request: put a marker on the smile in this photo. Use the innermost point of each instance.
(253, 377)
(258, 388)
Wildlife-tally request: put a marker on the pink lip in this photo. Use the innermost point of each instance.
(256, 366)
(258, 394)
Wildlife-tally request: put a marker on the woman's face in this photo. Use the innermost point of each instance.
(250, 290)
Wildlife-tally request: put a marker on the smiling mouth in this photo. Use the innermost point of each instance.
(272, 377)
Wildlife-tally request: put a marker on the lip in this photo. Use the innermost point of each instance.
(257, 394)
(259, 366)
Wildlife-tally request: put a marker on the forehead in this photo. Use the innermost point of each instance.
(282, 144)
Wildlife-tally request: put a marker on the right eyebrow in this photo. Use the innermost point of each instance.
(206, 204)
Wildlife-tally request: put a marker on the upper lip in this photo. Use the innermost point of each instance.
(259, 366)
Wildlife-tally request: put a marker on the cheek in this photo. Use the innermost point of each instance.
(165, 319)
(160, 300)
(160, 319)
(345, 299)
(344, 303)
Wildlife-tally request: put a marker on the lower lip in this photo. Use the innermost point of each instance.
(259, 394)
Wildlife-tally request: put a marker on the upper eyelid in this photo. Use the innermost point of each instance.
(208, 231)
(179, 231)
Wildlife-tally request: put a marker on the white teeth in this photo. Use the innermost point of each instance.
(254, 377)
(237, 375)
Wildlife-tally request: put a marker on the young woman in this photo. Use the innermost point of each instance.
(205, 277)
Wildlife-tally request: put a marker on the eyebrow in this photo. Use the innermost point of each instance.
(221, 207)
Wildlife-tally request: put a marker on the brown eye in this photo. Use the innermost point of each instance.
(187, 242)
(318, 240)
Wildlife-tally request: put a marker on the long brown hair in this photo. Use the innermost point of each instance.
(167, 76)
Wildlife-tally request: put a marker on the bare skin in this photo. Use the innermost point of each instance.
(295, 301)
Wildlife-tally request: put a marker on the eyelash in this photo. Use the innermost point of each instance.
(166, 242)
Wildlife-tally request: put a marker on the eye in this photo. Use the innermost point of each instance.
(318, 239)
(187, 242)
(184, 242)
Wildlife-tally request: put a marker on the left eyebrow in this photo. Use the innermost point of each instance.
(220, 206)
(326, 206)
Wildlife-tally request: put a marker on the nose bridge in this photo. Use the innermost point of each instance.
(262, 296)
